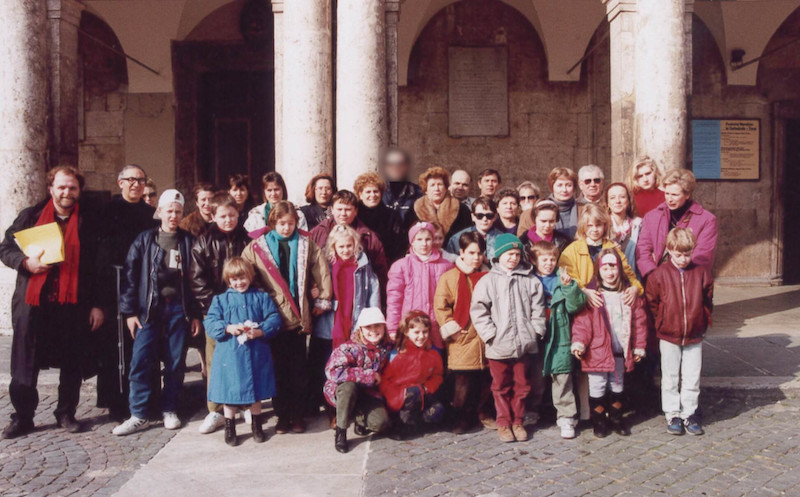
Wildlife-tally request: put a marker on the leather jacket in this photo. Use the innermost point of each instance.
(209, 253)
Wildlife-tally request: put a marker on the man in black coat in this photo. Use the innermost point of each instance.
(54, 307)
(124, 217)
(400, 193)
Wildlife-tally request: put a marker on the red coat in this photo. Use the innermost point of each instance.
(411, 367)
(589, 330)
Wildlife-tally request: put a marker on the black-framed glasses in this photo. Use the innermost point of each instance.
(589, 181)
(133, 180)
(484, 215)
(529, 198)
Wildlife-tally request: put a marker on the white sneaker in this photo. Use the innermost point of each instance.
(567, 426)
(130, 425)
(247, 415)
(212, 423)
(171, 421)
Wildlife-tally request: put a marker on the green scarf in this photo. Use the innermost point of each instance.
(274, 243)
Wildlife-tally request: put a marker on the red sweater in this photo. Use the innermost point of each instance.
(647, 200)
(411, 367)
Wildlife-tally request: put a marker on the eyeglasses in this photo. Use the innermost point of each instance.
(589, 181)
(484, 215)
(151, 195)
(529, 198)
(133, 180)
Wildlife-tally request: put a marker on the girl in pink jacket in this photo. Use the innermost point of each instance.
(413, 279)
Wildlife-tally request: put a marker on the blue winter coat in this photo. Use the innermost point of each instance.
(367, 294)
(241, 374)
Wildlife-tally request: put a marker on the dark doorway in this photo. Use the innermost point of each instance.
(791, 204)
(235, 125)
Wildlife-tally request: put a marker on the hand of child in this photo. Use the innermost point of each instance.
(637, 358)
(314, 291)
(566, 279)
(134, 325)
(577, 354)
(629, 296)
(234, 329)
(464, 332)
(252, 333)
(197, 327)
(594, 298)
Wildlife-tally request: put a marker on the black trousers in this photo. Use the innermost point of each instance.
(319, 351)
(291, 375)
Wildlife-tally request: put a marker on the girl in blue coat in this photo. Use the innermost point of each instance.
(242, 321)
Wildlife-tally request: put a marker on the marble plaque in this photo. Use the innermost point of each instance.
(478, 91)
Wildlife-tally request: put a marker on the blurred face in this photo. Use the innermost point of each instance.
(373, 333)
(344, 213)
(545, 223)
(609, 273)
(345, 248)
(422, 244)
(273, 193)
(459, 185)
(239, 194)
(418, 335)
(150, 196)
(527, 198)
(371, 196)
(395, 167)
(508, 208)
(132, 185)
(681, 260)
(323, 191)
(472, 256)
(170, 216)
(483, 219)
(226, 218)
(563, 189)
(595, 231)
(546, 263)
(591, 185)
(618, 201)
(675, 197)
(203, 202)
(645, 178)
(285, 226)
(65, 192)
(436, 190)
(510, 259)
(488, 185)
(240, 283)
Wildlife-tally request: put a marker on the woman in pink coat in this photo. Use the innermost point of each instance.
(413, 279)
(677, 211)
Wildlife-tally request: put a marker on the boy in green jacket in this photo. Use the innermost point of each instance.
(563, 299)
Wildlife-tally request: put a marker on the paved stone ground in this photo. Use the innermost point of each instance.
(750, 448)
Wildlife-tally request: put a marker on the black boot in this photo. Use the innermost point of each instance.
(17, 428)
(599, 420)
(340, 440)
(615, 410)
(258, 430)
(230, 432)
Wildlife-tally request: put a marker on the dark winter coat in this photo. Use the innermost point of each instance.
(402, 203)
(388, 225)
(315, 214)
(209, 253)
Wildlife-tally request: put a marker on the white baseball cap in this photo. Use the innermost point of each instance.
(370, 315)
(170, 196)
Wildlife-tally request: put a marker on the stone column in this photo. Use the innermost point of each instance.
(392, 18)
(23, 119)
(661, 82)
(622, 22)
(306, 94)
(277, 13)
(361, 122)
(63, 18)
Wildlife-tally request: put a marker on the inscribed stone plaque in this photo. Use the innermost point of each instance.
(478, 91)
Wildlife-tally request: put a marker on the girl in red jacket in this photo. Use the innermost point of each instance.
(608, 340)
(412, 378)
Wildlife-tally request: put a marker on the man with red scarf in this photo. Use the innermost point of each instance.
(54, 307)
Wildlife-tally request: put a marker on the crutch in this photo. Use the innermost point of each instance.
(120, 331)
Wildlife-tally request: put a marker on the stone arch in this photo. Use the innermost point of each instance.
(779, 75)
(708, 65)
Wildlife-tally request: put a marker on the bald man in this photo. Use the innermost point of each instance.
(460, 182)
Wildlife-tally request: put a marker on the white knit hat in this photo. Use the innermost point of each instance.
(370, 315)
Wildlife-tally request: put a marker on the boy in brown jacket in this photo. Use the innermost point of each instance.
(680, 294)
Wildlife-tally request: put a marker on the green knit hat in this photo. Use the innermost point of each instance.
(506, 242)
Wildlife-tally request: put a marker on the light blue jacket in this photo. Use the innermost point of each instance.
(367, 294)
(452, 245)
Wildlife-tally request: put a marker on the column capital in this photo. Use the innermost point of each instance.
(617, 7)
(277, 6)
(68, 10)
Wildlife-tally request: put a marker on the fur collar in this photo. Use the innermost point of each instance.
(446, 215)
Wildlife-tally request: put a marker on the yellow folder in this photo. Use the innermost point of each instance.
(46, 237)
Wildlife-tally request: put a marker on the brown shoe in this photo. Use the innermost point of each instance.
(298, 427)
(489, 423)
(520, 433)
(505, 434)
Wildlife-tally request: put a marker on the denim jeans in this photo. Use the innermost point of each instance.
(170, 327)
(680, 378)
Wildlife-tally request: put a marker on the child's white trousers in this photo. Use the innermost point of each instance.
(680, 378)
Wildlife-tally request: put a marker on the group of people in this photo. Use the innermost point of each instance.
(394, 306)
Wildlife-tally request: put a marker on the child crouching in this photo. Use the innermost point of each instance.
(608, 340)
(242, 321)
(353, 373)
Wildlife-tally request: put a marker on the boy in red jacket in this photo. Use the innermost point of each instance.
(680, 295)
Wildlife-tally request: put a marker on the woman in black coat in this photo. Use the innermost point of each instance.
(383, 220)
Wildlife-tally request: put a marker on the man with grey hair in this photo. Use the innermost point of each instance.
(460, 182)
(124, 217)
(591, 181)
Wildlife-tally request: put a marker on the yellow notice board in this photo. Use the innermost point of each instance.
(728, 149)
(46, 237)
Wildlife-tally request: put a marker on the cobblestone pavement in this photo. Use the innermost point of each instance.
(750, 448)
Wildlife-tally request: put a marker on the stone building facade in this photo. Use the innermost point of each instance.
(197, 89)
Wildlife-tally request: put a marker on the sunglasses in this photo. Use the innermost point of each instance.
(484, 215)
(151, 195)
(529, 198)
(589, 181)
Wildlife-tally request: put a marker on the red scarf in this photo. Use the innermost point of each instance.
(68, 269)
(464, 297)
(344, 292)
